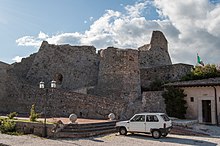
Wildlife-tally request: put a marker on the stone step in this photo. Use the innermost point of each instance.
(88, 129)
(91, 125)
(83, 134)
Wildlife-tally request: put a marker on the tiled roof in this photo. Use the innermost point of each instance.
(203, 82)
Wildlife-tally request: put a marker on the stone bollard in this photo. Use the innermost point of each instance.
(73, 118)
(111, 116)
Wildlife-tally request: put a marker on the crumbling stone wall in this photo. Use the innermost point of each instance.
(3, 79)
(119, 74)
(168, 73)
(71, 66)
(62, 103)
(110, 80)
(155, 53)
(21, 69)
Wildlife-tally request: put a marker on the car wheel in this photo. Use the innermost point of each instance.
(164, 134)
(156, 134)
(122, 131)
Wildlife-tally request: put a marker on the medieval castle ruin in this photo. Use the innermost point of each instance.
(90, 84)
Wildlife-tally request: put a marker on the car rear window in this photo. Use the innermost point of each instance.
(165, 117)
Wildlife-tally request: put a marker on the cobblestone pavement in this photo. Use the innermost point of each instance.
(109, 140)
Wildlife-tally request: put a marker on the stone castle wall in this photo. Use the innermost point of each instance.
(62, 103)
(153, 101)
(71, 66)
(21, 69)
(119, 74)
(168, 73)
(112, 79)
(3, 79)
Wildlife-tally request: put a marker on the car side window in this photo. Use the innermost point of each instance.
(151, 118)
(138, 118)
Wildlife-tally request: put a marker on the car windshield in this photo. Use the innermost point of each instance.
(165, 117)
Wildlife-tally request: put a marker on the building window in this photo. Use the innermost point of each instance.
(219, 99)
(192, 99)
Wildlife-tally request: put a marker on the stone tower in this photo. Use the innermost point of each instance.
(158, 40)
(155, 53)
(119, 74)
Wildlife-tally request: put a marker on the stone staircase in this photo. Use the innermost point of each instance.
(86, 130)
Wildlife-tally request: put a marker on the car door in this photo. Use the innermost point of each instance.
(137, 123)
(152, 122)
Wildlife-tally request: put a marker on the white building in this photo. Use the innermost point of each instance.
(203, 99)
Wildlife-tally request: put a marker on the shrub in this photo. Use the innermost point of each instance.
(33, 115)
(202, 72)
(12, 115)
(175, 103)
(7, 126)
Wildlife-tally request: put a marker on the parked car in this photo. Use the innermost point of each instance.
(158, 124)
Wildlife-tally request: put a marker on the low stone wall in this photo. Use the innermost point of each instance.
(153, 101)
(34, 128)
(62, 103)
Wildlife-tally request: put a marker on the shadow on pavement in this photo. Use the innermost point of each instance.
(174, 140)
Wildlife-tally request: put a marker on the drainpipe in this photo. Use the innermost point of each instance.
(216, 109)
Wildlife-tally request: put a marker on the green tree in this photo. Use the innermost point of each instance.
(33, 115)
(175, 103)
(203, 72)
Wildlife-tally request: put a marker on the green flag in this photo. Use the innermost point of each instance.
(199, 61)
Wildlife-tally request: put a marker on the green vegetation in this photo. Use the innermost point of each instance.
(33, 115)
(12, 115)
(175, 103)
(7, 126)
(203, 72)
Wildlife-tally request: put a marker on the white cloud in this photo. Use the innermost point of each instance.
(29, 41)
(190, 27)
(42, 35)
(17, 59)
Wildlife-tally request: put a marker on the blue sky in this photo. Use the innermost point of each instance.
(190, 27)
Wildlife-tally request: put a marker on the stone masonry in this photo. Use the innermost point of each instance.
(71, 66)
(119, 74)
(155, 53)
(167, 73)
(109, 81)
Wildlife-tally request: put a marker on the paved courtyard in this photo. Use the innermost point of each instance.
(111, 140)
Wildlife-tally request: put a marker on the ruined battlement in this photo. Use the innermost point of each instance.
(71, 66)
(112, 74)
(155, 53)
(158, 40)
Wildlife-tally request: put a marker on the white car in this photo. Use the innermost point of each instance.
(158, 124)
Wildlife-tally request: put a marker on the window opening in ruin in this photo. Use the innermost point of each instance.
(192, 99)
(59, 78)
